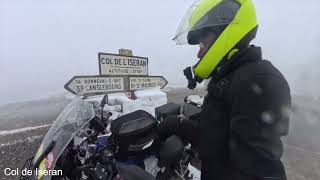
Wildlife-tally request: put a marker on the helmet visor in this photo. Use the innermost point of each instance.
(205, 15)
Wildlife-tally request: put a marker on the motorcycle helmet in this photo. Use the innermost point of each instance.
(233, 23)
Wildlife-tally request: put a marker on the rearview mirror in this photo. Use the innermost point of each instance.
(104, 100)
(195, 100)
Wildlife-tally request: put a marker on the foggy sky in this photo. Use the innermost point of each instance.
(43, 44)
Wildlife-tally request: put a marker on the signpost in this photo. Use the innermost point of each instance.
(95, 84)
(114, 64)
(118, 73)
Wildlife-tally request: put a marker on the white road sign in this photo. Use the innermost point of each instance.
(114, 64)
(136, 83)
(95, 84)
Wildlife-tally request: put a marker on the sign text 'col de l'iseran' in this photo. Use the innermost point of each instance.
(112, 64)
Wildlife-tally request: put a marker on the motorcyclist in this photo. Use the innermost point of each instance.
(246, 111)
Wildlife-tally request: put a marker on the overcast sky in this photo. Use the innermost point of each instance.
(43, 44)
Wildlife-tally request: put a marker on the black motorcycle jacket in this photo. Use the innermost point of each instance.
(244, 115)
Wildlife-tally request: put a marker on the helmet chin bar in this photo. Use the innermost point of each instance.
(192, 79)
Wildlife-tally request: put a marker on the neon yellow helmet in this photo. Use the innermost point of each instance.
(233, 22)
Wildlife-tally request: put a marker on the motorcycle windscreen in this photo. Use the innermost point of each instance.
(74, 117)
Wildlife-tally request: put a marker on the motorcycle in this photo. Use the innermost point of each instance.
(88, 142)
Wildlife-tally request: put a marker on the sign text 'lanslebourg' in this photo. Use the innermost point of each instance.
(95, 84)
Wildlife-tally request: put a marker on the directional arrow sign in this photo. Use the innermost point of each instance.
(115, 64)
(144, 82)
(95, 84)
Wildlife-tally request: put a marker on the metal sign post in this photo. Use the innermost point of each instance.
(118, 73)
(125, 52)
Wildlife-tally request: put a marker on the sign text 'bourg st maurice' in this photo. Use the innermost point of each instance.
(114, 64)
(141, 82)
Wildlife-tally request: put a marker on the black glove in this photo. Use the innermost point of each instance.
(187, 130)
(169, 126)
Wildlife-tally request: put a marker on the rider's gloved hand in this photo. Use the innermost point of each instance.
(186, 129)
(169, 126)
